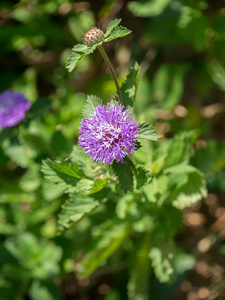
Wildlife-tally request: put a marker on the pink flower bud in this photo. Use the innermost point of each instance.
(93, 36)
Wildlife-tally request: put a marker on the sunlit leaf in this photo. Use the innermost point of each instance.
(148, 132)
(78, 53)
(77, 207)
(112, 25)
(91, 102)
(66, 177)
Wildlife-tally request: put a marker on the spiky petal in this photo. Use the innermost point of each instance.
(108, 134)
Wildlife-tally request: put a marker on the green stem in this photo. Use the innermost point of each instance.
(104, 55)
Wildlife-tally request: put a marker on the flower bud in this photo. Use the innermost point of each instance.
(93, 36)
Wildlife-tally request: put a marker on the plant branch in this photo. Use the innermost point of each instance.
(104, 55)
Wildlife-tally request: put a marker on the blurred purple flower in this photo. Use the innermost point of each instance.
(13, 106)
(108, 133)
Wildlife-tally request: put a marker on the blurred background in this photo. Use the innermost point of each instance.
(180, 47)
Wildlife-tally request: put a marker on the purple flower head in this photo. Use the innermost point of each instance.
(13, 106)
(108, 133)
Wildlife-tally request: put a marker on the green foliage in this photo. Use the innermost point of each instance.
(112, 237)
(172, 152)
(91, 102)
(162, 257)
(44, 291)
(80, 51)
(65, 176)
(148, 132)
(122, 218)
(130, 85)
(78, 207)
(115, 32)
(40, 258)
(190, 185)
(125, 173)
(138, 286)
(148, 8)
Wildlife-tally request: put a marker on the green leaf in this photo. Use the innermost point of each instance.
(130, 85)
(112, 25)
(73, 170)
(116, 32)
(148, 132)
(78, 53)
(77, 207)
(148, 8)
(125, 173)
(66, 177)
(173, 152)
(156, 189)
(88, 187)
(51, 191)
(192, 189)
(111, 239)
(91, 102)
(162, 256)
(138, 286)
(81, 50)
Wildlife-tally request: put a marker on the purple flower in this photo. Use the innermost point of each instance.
(13, 106)
(108, 134)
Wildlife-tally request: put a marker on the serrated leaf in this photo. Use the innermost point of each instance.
(130, 85)
(73, 170)
(66, 177)
(91, 102)
(78, 53)
(162, 256)
(113, 24)
(148, 132)
(125, 174)
(110, 240)
(51, 191)
(88, 187)
(117, 33)
(78, 207)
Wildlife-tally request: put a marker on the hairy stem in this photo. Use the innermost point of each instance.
(104, 55)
